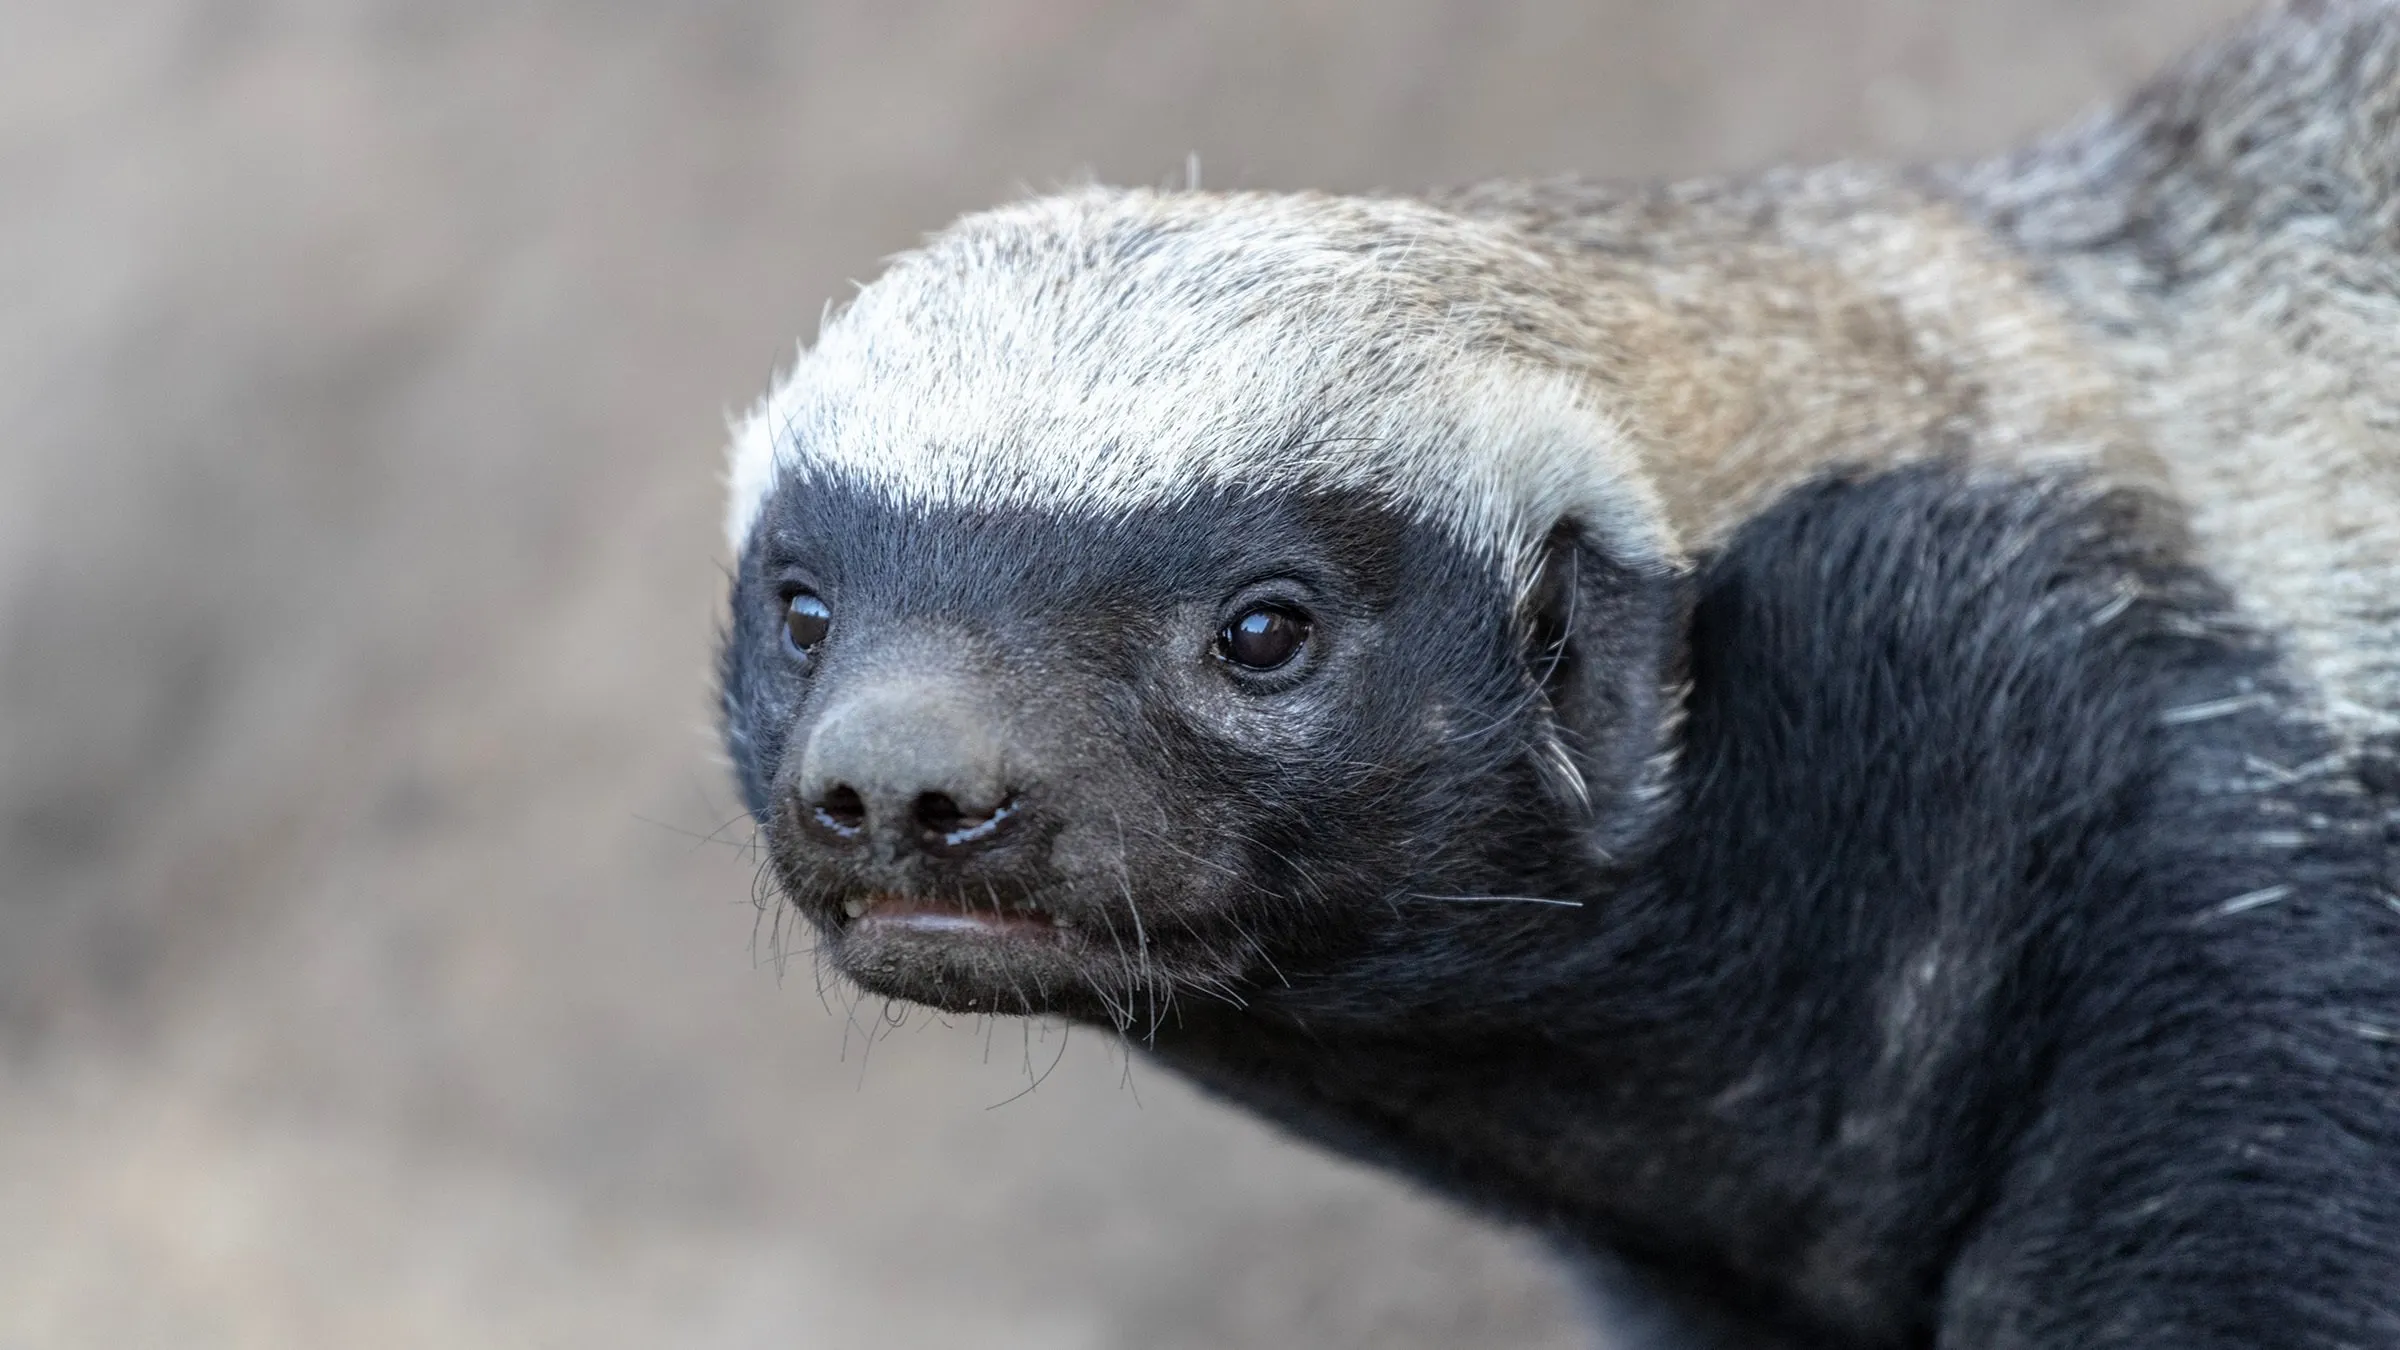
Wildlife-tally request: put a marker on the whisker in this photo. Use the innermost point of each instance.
(1042, 1077)
(1496, 900)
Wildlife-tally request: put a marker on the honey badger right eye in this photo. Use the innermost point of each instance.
(1263, 637)
(805, 621)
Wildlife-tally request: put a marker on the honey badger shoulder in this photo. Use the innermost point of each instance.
(1804, 735)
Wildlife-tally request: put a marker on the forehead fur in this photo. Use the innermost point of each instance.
(1098, 351)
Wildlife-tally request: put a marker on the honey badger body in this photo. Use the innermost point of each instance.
(1830, 738)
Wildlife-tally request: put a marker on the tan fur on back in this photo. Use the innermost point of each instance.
(1753, 334)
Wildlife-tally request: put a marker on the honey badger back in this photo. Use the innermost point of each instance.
(1818, 738)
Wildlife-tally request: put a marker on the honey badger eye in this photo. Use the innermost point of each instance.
(805, 619)
(1263, 637)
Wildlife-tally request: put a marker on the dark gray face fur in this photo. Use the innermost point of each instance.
(1018, 772)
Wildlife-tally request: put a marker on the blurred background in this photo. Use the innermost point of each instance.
(378, 962)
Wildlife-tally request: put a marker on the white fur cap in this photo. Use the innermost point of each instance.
(1102, 350)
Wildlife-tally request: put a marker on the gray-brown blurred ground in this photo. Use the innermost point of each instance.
(362, 369)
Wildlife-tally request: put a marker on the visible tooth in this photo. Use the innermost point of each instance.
(855, 906)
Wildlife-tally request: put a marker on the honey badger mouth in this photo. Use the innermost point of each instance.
(974, 950)
(992, 916)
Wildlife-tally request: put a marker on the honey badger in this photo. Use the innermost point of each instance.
(1825, 740)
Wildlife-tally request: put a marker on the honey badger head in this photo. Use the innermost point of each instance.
(1149, 591)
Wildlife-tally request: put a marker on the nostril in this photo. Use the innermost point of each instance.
(841, 810)
(940, 816)
(938, 812)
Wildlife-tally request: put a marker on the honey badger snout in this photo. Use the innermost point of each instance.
(906, 766)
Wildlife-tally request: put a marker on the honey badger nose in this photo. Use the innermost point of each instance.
(905, 765)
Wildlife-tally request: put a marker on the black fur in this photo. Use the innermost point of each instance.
(1982, 977)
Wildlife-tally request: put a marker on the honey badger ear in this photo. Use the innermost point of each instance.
(1602, 646)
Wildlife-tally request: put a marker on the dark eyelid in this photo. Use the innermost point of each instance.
(791, 579)
(1287, 587)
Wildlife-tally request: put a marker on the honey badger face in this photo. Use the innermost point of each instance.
(1120, 612)
(1010, 762)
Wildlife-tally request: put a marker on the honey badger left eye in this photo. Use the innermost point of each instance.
(805, 619)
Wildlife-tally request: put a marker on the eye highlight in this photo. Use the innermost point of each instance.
(806, 618)
(1263, 637)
